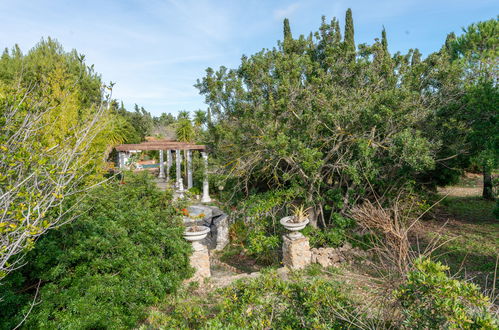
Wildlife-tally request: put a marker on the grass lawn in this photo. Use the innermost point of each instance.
(467, 224)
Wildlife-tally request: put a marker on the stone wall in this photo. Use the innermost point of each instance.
(327, 257)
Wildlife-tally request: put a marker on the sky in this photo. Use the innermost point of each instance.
(155, 50)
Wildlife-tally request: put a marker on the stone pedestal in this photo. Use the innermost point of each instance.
(200, 261)
(296, 251)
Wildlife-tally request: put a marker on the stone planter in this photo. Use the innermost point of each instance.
(198, 235)
(291, 226)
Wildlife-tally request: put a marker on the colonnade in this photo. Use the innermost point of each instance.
(164, 173)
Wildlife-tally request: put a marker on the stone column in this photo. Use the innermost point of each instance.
(296, 251)
(189, 169)
(206, 194)
(200, 261)
(178, 160)
(168, 164)
(121, 159)
(161, 165)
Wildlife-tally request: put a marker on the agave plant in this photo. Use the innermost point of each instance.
(300, 213)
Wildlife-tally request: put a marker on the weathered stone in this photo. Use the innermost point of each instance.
(200, 261)
(221, 223)
(296, 251)
(335, 258)
(323, 260)
(347, 246)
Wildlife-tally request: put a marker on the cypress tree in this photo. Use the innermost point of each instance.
(287, 30)
(384, 41)
(349, 33)
(335, 24)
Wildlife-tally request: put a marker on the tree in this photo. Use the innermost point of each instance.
(477, 51)
(349, 31)
(287, 30)
(185, 131)
(54, 137)
(384, 41)
(200, 118)
(319, 122)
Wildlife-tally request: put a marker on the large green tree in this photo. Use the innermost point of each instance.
(477, 49)
(55, 132)
(333, 127)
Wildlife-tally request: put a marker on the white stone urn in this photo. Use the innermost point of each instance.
(196, 233)
(288, 223)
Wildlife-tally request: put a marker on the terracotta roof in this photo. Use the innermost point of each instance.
(160, 145)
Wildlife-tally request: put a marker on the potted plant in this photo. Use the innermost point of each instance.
(196, 233)
(298, 220)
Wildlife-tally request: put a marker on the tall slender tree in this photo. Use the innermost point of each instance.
(384, 41)
(349, 32)
(287, 30)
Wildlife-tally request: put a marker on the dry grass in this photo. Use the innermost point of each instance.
(391, 228)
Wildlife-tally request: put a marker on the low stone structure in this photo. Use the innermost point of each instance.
(215, 219)
(200, 261)
(327, 257)
(296, 251)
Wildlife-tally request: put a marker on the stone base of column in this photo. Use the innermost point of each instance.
(205, 199)
(296, 251)
(200, 261)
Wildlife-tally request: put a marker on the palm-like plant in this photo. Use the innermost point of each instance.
(300, 213)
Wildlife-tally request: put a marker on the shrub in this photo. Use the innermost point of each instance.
(332, 236)
(101, 271)
(432, 300)
(265, 302)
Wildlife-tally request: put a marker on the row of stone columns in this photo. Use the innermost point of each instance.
(179, 183)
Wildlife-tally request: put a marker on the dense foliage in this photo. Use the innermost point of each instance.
(266, 302)
(311, 116)
(335, 124)
(55, 133)
(432, 300)
(123, 253)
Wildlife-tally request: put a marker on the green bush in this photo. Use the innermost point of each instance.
(265, 302)
(102, 271)
(432, 300)
(333, 236)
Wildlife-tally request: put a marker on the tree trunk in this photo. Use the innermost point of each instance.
(487, 185)
(312, 216)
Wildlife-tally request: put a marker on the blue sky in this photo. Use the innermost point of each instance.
(155, 50)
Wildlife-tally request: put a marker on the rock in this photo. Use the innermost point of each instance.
(335, 258)
(221, 224)
(323, 260)
(347, 246)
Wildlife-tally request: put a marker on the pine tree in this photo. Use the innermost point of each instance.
(349, 32)
(450, 45)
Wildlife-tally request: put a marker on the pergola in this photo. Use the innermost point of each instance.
(170, 146)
